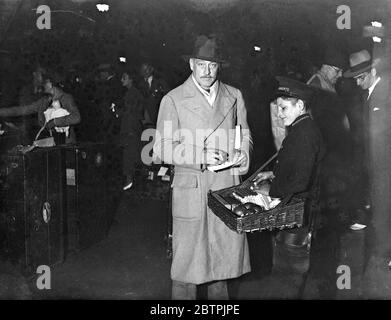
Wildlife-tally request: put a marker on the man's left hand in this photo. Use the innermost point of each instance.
(240, 159)
(50, 124)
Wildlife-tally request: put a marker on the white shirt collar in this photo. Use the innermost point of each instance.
(372, 87)
(212, 94)
(149, 80)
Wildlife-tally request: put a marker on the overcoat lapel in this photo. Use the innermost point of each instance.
(224, 104)
(194, 100)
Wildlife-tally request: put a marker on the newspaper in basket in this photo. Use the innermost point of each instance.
(288, 213)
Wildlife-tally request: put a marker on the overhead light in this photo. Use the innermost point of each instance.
(376, 24)
(256, 48)
(122, 59)
(102, 7)
(376, 39)
(376, 109)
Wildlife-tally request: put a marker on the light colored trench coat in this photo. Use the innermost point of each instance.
(204, 248)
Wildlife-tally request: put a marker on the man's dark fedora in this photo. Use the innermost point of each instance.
(206, 49)
(360, 62)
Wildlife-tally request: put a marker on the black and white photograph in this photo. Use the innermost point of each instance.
(171, 150)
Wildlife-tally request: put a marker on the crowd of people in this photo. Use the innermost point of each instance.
(205, 251)
(113, 106)
(117, 105)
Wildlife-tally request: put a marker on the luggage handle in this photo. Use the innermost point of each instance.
(46, 212)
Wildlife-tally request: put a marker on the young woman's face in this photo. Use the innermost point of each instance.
(289, 110)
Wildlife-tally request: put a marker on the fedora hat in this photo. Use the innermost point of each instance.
(206, 49)
(360, 62)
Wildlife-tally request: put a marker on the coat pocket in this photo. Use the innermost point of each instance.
(186, 197)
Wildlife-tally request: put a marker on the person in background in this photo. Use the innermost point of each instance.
(326, 77)
(32, 91)
(153, 89)
(52, 92)
(331, 116)
(326, 107)
(131, 115)
(374, 133)
(28, 125)
(107, 97)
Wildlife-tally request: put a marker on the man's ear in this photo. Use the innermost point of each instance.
(191, 63)
(373, 72)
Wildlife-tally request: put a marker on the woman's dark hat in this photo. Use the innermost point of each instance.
(360, 62)
(288, 87)
(206, 49)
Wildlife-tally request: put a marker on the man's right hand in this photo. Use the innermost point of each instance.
(214, 156)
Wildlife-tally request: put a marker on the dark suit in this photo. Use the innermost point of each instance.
(106, 93)
(300, 154)
(131, 116)
(378, 135)
(376, 128)
(153, 95)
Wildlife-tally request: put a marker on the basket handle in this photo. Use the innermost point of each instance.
(285, 200)
(249, 180)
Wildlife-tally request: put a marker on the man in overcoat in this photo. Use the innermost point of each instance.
(195, 129)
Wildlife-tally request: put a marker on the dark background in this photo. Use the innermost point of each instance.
(294, 37)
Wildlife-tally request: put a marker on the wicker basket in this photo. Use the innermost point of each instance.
(288, 214)
(281, 217)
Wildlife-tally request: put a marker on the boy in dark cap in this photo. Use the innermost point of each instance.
(302, 149)
(295, 173)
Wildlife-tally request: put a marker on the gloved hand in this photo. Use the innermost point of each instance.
(50, 124)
